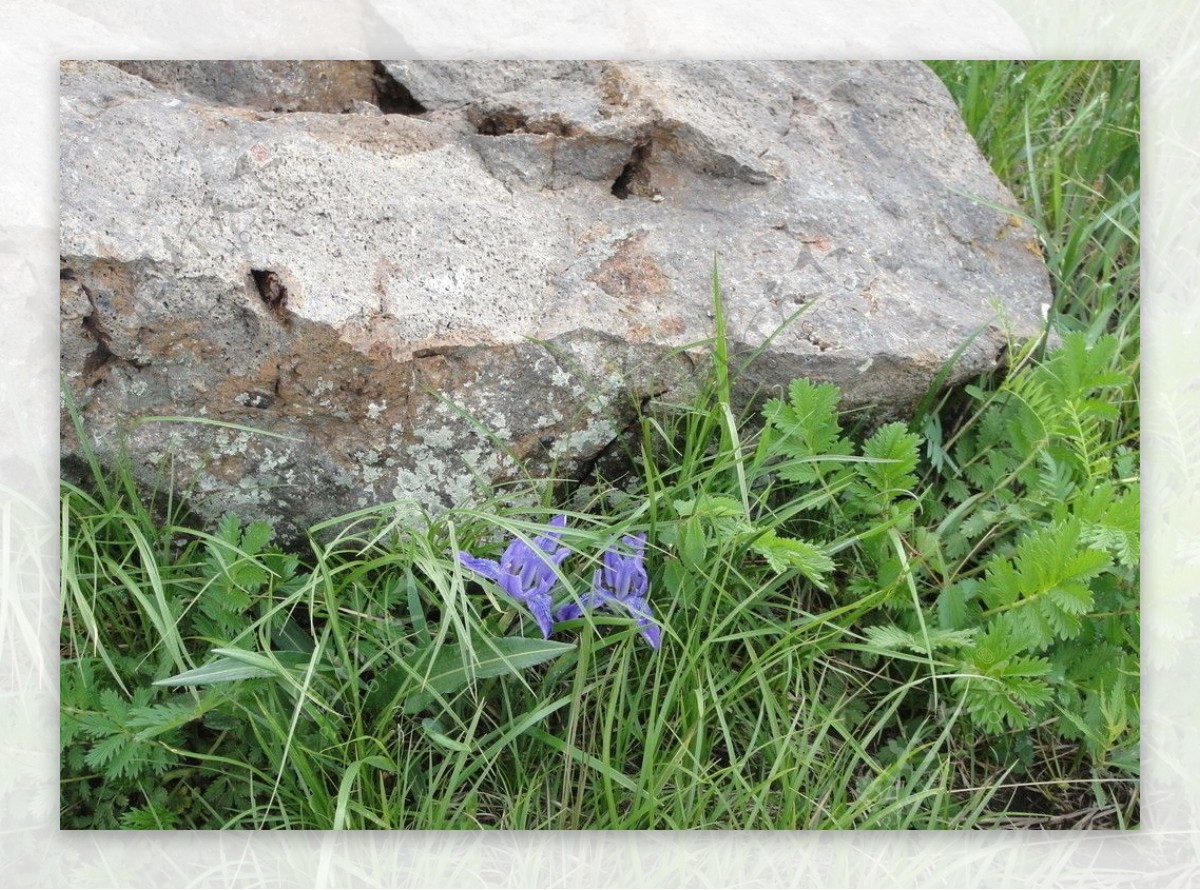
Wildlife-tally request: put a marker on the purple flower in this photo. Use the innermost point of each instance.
(620, 582)
(526, 573)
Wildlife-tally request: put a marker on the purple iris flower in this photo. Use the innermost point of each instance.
(527, 573)
(621, 582)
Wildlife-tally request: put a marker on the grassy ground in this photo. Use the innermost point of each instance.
(932, 627)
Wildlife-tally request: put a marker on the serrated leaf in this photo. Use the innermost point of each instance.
(152, 817)
(709, 505)
(889, 637)
(116, 756)
(684, 508)
(156, 719)
(1000, 687)
(692, 543)
(1043, 591)
(1112, 523)
(112, 703)
(1025, 666)
(951, 639)
(1071, 598)
(808, 428)
(994, 647)
(783, 554)
(247, 577)
(952, 604)
(1027, 691)
(102, 752)
(1031, 627)
(229, 530)
(282, 565)
(898, 452)
(256, 536)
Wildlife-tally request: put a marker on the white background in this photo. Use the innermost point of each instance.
(34, 36)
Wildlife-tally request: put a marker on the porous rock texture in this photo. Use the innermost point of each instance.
(364, 282)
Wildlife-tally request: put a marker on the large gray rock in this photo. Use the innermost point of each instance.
(417, 306)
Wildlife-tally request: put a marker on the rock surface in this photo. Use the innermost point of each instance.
(480, 271)
(279, 86)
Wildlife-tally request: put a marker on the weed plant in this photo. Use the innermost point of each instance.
(931, 626)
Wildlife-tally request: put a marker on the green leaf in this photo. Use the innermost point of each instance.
(236, 664)
(808, 427)
(256, 537)
(955, 611)
(151, 817)
(604, 769)
(1043, 591)
(154, 720)
(889, 638)
(712, 505)
(1112, 523)
(291, 637)
(416, 608)
(433, 728)
(228, 531)
(790, 553)
(451, 667)
(898, 452)
(692, 543)
(1000, 687)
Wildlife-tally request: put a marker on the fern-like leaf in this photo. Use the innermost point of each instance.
(151, 817)
(999, 687)
(894, 453)
(1112, 524)
(790, 553)
(807, 428)
(1043, 591)
(888, 637)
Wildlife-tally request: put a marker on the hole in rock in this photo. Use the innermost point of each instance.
(503, 122)
(271, 289)
(392, 96)
(97, 359)
(91, 325)
(633, 178)
(101, 355)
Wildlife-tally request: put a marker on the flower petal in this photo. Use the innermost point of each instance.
(539, 607)
(568, 611)
(653, 635)
(527, 573)
(549, 540)
(625, 575)
(576, 609)
(641, 610)
(489, 568)
(511, 584)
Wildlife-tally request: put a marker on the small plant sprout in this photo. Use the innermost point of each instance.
(525, 573)
(621, 581)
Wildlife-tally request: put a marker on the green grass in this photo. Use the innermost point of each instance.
(934, 626)
(751, 715)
